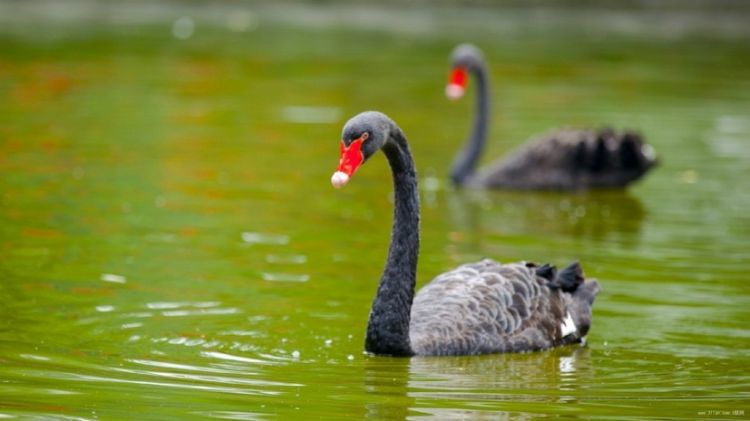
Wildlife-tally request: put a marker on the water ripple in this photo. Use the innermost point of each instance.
(218, 380)
(201, 312)
(261, 238)
(189, 386)
(165, 305)
(234, 415)
(285, 277)
(236, 358)
(294, 259)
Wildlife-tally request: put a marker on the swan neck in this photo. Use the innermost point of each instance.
(466, 161)
(388, 327)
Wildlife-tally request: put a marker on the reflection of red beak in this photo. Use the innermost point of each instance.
(457, 83)
(351, 158)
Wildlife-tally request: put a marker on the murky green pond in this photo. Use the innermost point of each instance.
(171, 246)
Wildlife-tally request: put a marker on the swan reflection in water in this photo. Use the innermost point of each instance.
(478, 386)
(614, 217)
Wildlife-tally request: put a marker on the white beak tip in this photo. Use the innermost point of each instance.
(338, 179)
(454, 91)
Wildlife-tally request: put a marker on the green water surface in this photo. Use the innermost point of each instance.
(171, 246)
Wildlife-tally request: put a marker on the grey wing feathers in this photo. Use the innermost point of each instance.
(573, 159)
(486, 307)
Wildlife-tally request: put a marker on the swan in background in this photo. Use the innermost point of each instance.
(564, 159)
(478, 308)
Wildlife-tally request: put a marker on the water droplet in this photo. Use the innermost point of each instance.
(350, 357)
(295, 355)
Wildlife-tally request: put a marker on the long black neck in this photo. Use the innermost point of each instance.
(388, 327)
(465, 162)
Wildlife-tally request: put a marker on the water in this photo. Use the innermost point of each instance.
(171, 247)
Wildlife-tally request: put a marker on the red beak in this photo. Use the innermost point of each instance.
(351, 159)
(457, 82)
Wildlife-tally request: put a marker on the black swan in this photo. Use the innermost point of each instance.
(564, 159)
(477, 308)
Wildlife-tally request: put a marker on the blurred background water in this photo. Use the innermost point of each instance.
(171, 247)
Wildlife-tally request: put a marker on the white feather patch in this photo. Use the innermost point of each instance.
(648, 151)
(568, 326)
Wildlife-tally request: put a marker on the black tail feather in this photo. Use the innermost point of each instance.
(568, 279)
(600, 156)
(630, 151)
(547, 272)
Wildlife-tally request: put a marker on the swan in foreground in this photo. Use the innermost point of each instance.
(478, 308)
(564, 159)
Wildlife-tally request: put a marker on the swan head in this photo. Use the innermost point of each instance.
(465, 58)
(362, 136)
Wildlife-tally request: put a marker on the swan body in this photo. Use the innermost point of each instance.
(486, 307)
(478, 308)
(570, 159)
(563, 159)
